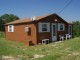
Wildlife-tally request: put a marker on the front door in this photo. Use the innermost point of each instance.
(54, 32)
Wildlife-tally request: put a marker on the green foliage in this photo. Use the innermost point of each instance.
(9, 18)
(6, 18)
(76, 28)
(2, 35)
(1, 25)
(66, 50)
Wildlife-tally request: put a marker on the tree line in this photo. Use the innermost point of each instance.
(6, 18)
(76, 28)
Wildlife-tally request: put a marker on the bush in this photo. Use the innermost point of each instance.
(76, 28)
(2, 34)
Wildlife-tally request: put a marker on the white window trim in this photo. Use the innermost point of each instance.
(40, 27)
(26, 29)
(12, 28)
(59, 26)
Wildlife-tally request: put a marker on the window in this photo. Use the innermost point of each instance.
(26, 29)
(10, 28)
(61, 27)
(44, 27)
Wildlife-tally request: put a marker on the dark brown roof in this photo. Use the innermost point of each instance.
(29, 19)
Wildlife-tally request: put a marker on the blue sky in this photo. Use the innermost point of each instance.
(29, 8)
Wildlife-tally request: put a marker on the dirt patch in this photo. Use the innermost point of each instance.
(76, 53)
(8, 58)
(38, 56)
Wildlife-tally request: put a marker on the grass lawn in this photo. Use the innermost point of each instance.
(65, 50)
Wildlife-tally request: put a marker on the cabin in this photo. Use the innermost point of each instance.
(38, 29)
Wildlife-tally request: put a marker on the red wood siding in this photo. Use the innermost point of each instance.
(19, 33)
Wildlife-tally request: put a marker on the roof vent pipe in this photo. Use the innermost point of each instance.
(33, 18)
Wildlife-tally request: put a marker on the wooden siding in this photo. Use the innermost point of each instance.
(19, 33)
(48, 35)
(34, 35)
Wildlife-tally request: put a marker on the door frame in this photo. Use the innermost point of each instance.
(54, 38)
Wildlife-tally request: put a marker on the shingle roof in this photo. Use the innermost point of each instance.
(29, 19)
(26, 20)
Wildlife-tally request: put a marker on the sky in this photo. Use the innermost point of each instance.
(30, 8)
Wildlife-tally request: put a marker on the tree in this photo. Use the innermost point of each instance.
(76, 28)
(1, 25)
(9, 18)
(6, 18)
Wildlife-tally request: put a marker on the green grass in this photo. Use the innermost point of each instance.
(66, 50)
(2, 34)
